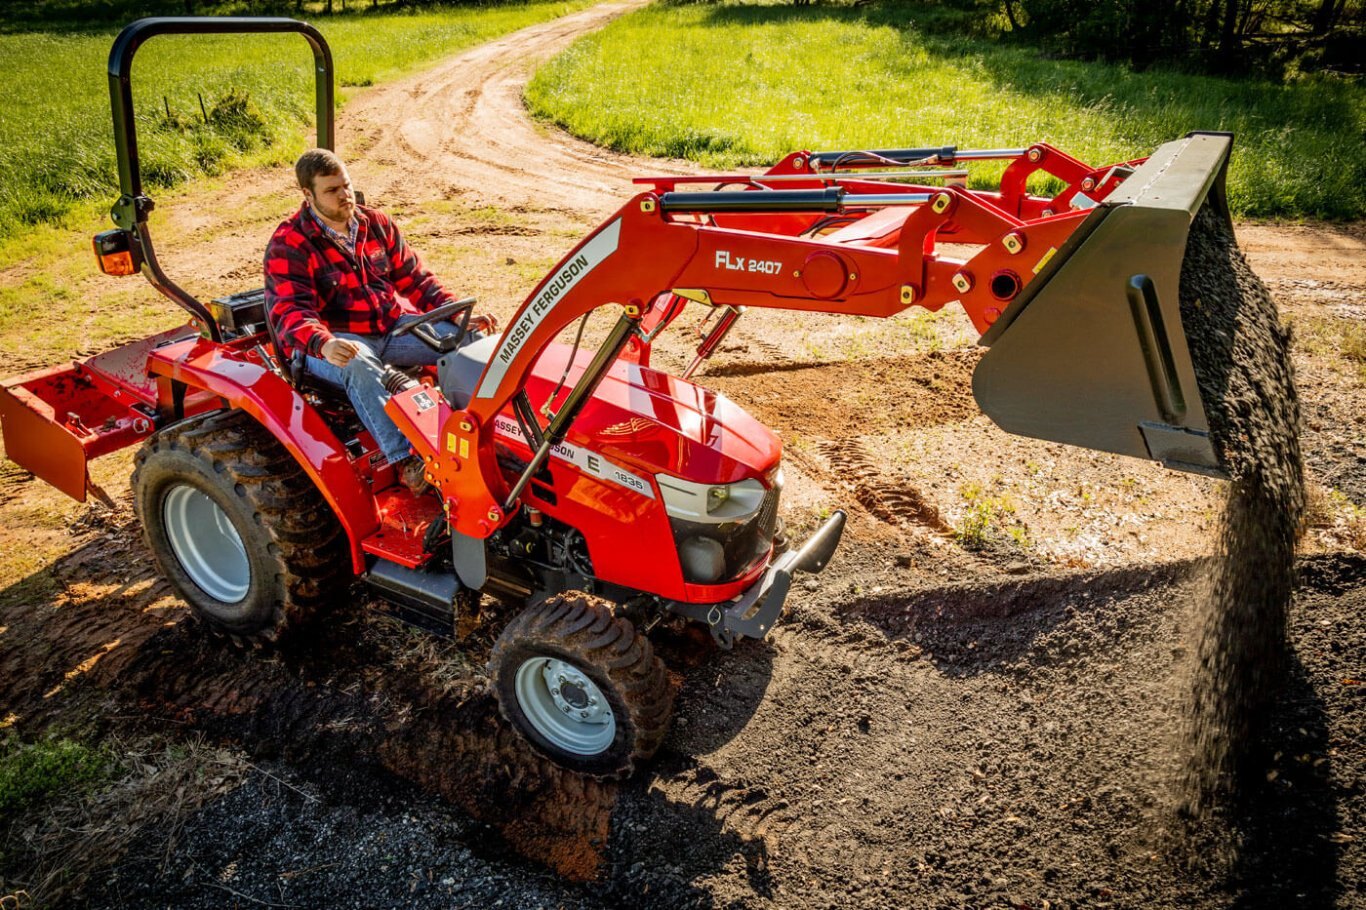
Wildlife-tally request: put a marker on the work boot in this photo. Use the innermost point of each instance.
(412, 473)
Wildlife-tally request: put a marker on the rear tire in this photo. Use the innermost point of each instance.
(237, 526)
(613, 702)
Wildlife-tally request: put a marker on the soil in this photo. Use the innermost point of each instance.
(1242, 362)
(935, 723)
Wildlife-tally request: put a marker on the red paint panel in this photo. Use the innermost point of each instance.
(419, 414)
(648, 421)
(245, 383)
(122, 372)
(629, 538)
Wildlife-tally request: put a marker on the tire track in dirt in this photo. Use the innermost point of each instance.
(13, 480)
(749, 812)
(771, 357)
(110, 602)
(897, 503)
(344, 700)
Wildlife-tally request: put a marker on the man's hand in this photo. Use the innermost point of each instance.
(485, 324)
(339, 351)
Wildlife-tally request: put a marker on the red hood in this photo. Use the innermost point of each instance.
(653, 422)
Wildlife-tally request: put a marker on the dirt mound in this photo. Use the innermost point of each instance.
(854, 398)
(981, 745)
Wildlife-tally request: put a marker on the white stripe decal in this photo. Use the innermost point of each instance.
(588, 462)
(603, 244)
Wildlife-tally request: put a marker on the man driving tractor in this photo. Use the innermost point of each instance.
(337, 275)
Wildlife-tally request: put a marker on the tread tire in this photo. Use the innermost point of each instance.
(611, 651)
(295, 546)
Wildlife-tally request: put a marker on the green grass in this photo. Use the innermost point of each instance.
(988, 516)
(31, 773)
(56, 149)
(737, 84)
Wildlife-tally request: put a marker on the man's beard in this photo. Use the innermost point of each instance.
(338, 215)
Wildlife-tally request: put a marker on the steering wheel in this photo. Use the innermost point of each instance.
(422, 329)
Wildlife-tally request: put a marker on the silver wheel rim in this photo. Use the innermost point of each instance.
(565, 706)
(207, 545)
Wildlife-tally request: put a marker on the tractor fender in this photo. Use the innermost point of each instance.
(201, 364)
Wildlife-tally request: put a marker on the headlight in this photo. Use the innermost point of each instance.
(708, 503)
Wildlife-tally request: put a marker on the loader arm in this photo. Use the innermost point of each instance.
(761, 245)
(805, 236)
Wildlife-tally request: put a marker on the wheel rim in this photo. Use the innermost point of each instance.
(207, 545)
(565, 706)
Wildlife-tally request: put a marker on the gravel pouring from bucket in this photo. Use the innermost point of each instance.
(1095, 352)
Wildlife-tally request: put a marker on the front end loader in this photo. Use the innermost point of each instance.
(598, 496)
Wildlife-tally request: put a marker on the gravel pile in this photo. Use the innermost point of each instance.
(1242, 361)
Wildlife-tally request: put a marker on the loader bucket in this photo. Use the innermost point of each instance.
(1093, 353)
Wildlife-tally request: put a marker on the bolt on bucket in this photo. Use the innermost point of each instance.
(1095, 353)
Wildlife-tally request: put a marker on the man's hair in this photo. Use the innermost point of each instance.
(316, 163)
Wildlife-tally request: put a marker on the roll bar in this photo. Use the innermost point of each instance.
(132, 208)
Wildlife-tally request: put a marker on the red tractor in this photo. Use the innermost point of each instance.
(600, 496)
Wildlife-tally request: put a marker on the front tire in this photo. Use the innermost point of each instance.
(237, 527)
(582, 685)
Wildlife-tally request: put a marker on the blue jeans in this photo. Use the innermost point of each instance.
(362, 377)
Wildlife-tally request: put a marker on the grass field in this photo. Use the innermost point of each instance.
(56, 150)
(730, 84)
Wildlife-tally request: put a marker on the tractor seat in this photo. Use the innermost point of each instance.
(459, 371)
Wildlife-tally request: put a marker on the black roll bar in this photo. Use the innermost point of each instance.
(132, 208)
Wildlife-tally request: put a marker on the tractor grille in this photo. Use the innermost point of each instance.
(767, 520)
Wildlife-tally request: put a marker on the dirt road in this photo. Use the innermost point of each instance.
(934, 725)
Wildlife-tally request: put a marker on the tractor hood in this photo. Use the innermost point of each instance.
(651, 422)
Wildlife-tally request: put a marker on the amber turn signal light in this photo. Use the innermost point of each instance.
(116, 253)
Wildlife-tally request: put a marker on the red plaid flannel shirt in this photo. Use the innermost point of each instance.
(314, 289)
